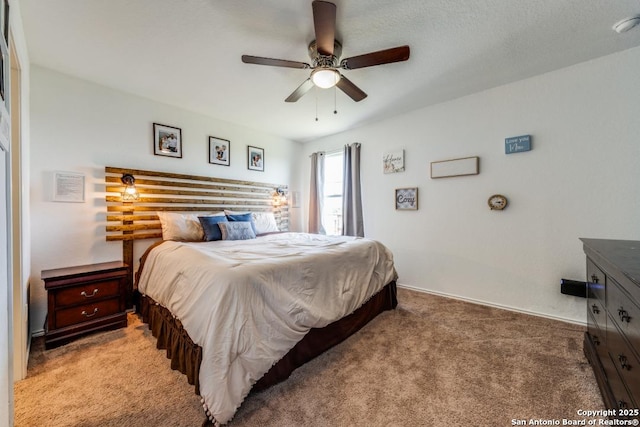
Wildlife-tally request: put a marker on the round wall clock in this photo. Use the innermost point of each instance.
(497, 202)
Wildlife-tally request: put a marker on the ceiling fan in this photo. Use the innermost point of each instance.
(325, 53)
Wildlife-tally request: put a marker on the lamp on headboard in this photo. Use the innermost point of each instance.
(130, 192)
(279, 196)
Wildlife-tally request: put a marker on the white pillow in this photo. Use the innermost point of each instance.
(265, 222)
(181, 227)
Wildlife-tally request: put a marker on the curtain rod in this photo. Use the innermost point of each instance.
(330, 152)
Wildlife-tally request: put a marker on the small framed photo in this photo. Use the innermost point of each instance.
(219, 151)
(393, 161)
(406, 199)
(167, 141)
(255, 158)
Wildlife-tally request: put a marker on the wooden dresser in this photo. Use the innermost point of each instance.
(84, 299)
(612, 340)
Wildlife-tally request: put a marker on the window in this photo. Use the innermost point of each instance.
(332, 210)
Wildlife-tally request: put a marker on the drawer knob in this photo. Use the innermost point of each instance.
(594, 278)
(623, 362)
(624, 315)
(85, 314)
(622, 404)
(84, 294)
(596, 340)
(594, 309)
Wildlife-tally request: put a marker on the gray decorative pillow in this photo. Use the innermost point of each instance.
(237, 230)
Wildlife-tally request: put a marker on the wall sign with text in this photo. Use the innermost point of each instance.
(68, 187)
(406, 198)
(517, 144)
(393, 162)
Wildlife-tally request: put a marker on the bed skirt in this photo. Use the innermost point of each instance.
(186, 356)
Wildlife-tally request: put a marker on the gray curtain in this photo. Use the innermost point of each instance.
(316, 194)
(352, 222)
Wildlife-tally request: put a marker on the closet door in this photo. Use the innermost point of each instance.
(6, 278)
(6, 341)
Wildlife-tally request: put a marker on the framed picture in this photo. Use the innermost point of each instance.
(295, 199)
(255, 158)
(4, 56)
(393, 162)
(167, 141)
(219, 151)
(5, 21)
(406, 199)
(68, 187)
(455, 167)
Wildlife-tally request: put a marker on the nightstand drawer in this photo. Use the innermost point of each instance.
(87, 293)
(83, 313)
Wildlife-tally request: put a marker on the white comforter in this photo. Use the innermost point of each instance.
(247, 303)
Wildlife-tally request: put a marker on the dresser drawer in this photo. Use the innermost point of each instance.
(625, 362)
(596, 309)
(620, 393)
(83, 313)
(598, 336)
(624, 313)
(596, 282)
(86, 293)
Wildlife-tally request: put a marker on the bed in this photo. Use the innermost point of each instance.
(237, 316)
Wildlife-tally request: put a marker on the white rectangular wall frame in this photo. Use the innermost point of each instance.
(455, 167)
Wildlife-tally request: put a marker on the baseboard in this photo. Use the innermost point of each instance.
(490, 304)
(38, 333)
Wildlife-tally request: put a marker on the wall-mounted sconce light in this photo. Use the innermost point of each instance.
(279, 196)
(130, 192)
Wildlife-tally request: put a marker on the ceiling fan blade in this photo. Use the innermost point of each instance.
(248, 59)
(387, 56)
(301, 90)
(354, 92)
(324, 21)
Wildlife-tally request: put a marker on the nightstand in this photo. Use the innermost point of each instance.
(84, 299)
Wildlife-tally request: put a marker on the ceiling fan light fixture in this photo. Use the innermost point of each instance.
(626, 24)
(325, 78)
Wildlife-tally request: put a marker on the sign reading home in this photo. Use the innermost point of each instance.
(393, 162)
(517, 144)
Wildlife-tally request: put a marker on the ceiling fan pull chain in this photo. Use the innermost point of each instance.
(315, 90)
(335, 101)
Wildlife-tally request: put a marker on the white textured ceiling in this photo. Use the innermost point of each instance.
(187, 52)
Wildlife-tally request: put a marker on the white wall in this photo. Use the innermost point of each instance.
(79, 126)
(582, 179)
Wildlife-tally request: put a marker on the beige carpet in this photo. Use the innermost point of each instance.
(433, 361)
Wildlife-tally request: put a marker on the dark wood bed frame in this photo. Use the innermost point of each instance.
(160, 191)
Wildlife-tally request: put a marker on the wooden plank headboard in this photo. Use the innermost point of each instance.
(163, 191)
